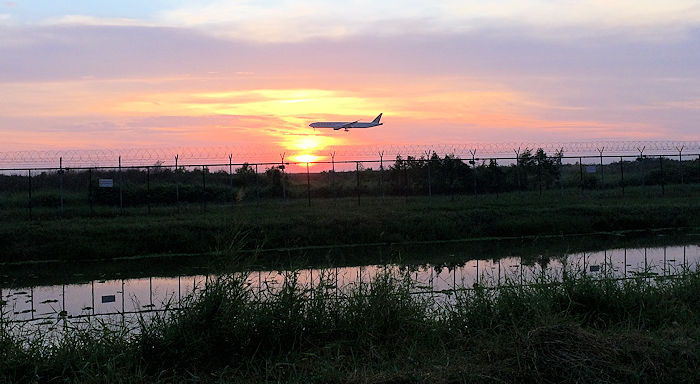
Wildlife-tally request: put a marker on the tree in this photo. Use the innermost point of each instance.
(246, 174)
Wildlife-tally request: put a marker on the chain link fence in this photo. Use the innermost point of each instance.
(113, 190)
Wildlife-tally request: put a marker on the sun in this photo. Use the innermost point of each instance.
(306, 158)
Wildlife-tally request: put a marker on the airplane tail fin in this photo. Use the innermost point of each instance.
(376, 119)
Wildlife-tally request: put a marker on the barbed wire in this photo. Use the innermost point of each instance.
(239, 154)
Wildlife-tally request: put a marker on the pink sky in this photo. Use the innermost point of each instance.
(209, 75)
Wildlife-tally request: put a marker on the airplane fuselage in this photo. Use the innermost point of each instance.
(342, 124)
(346, 125)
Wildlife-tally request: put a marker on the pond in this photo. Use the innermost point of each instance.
(116, 294)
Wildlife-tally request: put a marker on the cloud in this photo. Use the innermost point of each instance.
(85, 20)
(279, 21)
(106, 52)
(290, 21)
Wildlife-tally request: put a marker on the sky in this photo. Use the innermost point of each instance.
(125, 74)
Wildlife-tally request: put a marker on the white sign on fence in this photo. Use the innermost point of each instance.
(590, 168)
(106, 183)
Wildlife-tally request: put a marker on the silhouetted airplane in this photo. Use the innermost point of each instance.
(346, 125)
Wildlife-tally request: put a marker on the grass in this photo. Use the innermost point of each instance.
(580, 330)
(327, 222)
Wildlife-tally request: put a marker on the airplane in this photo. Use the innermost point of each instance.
(346, 125)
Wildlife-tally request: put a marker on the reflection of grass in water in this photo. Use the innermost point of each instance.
(233, 236)
(580, 329)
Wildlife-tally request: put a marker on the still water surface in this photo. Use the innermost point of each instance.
(123, 296)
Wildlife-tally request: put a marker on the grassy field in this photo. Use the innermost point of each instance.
(582, 330)
(219, 229)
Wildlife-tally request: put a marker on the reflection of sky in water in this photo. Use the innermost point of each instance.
(133, 295)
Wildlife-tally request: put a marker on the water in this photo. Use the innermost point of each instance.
(99, 298)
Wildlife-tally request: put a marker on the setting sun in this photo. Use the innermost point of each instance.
(306, 158)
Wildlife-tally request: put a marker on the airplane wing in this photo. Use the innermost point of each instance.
(348, 125)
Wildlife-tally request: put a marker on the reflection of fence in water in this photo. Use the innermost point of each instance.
(115, 297)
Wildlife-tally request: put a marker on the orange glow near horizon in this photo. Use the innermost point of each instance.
(112, 114)
(307, 158)
(310, 142)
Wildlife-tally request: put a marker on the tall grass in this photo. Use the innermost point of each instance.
(329, 223)
(580, 329)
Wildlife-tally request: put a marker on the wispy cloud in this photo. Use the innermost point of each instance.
(87, 20)
(277, 21)
(309, 19)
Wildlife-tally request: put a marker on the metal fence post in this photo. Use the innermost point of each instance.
(30, 194)
(90, 189)
(148, 190)
(335, 195)
(357, 172)
(230, 174)
(284, 188)
(661, 168)
(60, 177)
(560, 156)
(121, 193)
(381, 173)
(308, 183)
(123, 307)
(257, 185)
(430, 184)
(517, 166)
(204, 189)
(580, 171)
(452, 178)
(602, 177)
(622, 177)
(92, 295)
(680, 162)
(641, 164)
(177, 185)
(473, 152)
(496, 178)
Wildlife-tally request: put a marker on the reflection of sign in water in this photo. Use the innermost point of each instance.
(595, 268)
(590, 168)
(106, 183)
(108, 299)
